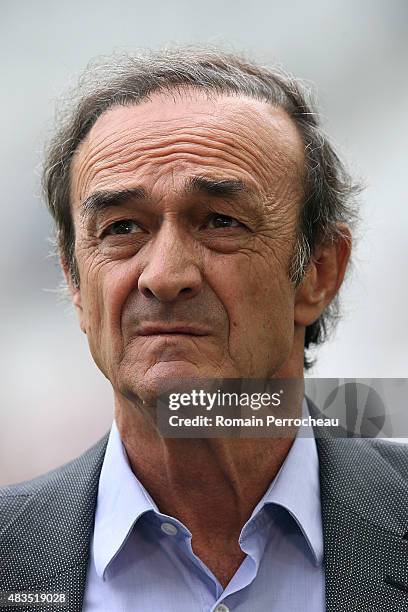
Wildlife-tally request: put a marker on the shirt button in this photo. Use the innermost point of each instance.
(171, 529)
(222, 608)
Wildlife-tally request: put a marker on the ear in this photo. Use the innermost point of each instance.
(323, 277)
(75, 293)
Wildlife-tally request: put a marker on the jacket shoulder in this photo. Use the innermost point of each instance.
(68, 479)
(46, 527)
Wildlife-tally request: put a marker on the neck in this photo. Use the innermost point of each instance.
(210, 484)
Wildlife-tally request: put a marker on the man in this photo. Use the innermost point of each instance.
(204, 232)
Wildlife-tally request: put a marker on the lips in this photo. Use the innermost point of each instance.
(163, 329)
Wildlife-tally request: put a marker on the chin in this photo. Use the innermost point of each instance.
(162, 377)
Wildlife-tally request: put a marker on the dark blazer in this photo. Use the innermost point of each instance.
(46, 527)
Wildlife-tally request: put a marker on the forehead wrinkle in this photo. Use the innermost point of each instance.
(196, 154)
(205, 161)
(203, 147)
(158, 142)
(90, 155)
(250, 154)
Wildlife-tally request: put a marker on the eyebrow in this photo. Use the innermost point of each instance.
(213, 187)
(221, 188)
(101, 200)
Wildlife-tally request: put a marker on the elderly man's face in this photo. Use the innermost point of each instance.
(185, 212)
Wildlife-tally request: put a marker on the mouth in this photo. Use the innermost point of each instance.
(171, 330)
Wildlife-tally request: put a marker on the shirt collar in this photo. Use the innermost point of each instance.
(296, 488)
(122, 499)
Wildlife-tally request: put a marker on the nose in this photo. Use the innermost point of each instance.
(171, 272)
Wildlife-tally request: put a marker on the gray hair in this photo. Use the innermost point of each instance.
(329, 190)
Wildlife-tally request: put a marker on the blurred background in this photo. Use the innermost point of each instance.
(54, 402)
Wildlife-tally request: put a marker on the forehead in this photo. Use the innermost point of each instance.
(168, 137)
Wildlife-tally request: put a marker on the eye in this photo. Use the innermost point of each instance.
(223, 221)
(125, 226)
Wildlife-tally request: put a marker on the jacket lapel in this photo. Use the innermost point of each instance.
(48, 534)
(364, 494)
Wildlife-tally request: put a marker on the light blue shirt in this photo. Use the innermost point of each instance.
(142, 559)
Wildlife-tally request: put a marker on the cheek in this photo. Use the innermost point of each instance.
(258, 298)
(253, 284)
(106, 288)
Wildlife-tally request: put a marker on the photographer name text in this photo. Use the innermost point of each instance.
(253, 421)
